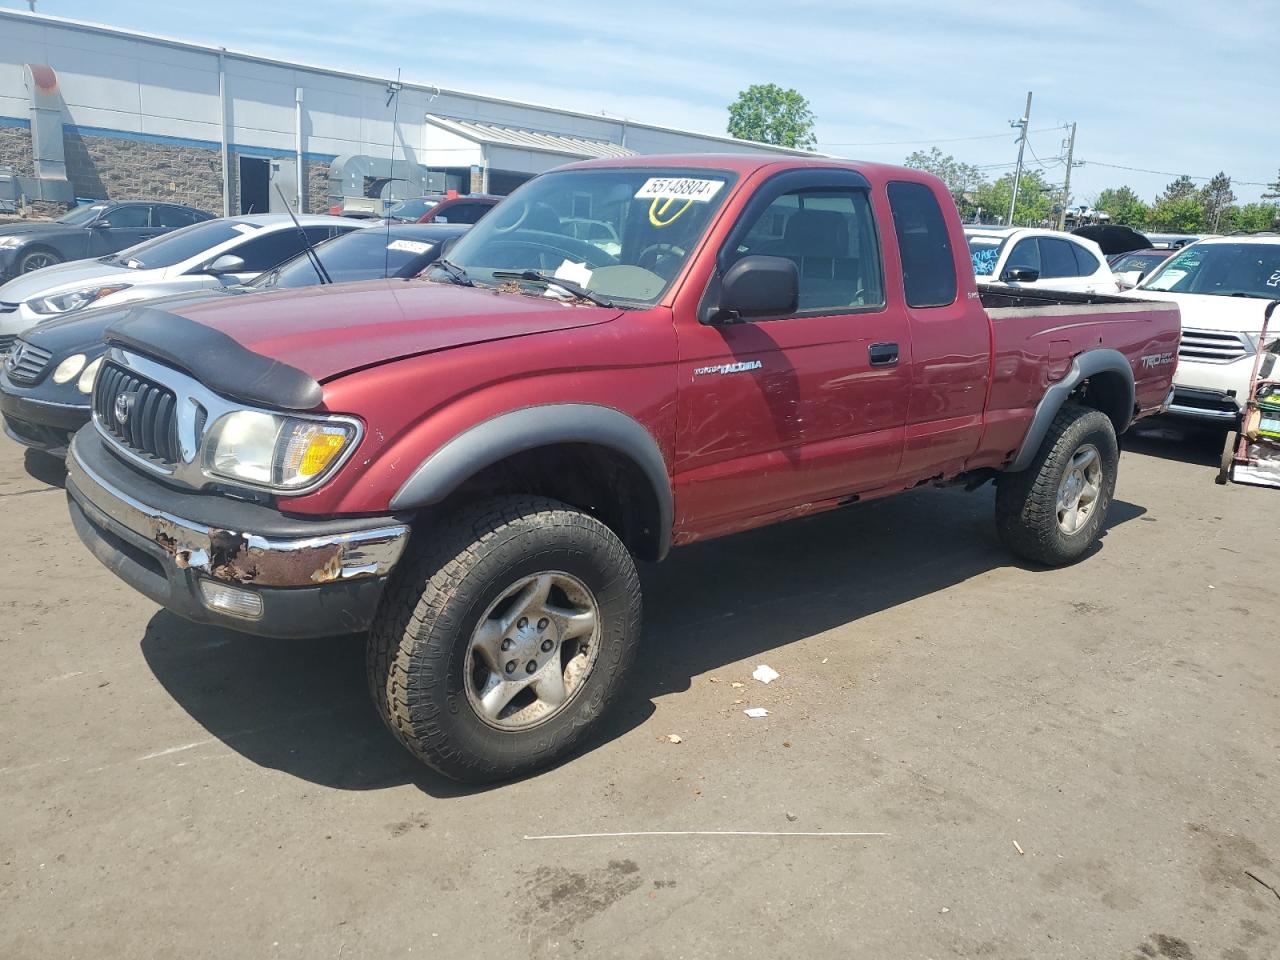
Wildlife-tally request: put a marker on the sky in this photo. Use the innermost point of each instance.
(1163, 85)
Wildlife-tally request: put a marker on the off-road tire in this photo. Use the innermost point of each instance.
(1026, 502)
(417, 647)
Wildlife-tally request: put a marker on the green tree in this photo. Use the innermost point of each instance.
(1216, 197)
(962, 179)
(1273, 189)
(1253, 217)
(1177, 215)
(1179, 189)
(1035, 199)
(768, 114)
(1123, 205)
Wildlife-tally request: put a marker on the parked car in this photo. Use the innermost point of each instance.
(90, 230)
(1038, 259)
(467, 467)
(200, 257)
(47, 378)
(449, 207)
(1173, 241)
(1222, 286)
(1130, 268)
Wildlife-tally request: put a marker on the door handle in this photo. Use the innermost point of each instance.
(883, 354)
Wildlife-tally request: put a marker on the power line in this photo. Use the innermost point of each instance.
(931, 140)
(1165, 173)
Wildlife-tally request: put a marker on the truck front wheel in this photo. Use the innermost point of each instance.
(504, 637)
(1054, 511)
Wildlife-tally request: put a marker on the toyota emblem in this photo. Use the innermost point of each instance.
(124, 403)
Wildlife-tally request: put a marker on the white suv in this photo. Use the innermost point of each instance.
(1222, 286)
(1038, 259)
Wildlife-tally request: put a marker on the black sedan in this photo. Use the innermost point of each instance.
(47, 377)
(91, 230)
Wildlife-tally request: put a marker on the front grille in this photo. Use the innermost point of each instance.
(150, 425)
(6, 341)
(26, 363)
(1213, 346)
(7, 307)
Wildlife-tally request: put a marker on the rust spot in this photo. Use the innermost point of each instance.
(232, 559)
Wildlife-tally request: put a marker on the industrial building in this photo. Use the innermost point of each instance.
(90, 111)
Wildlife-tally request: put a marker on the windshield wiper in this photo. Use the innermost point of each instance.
(456, 273)
(568, 286)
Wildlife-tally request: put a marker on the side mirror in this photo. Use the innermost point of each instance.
(1130, 278)
(1020, 275)
(99, 225)
(757, 288)
(227, 263)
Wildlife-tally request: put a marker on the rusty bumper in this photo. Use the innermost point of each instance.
(310, 578)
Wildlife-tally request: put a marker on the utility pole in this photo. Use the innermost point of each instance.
(1066, 187)
(1024, 123)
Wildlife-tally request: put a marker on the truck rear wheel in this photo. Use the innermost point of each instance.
(505, 637)
(1053, 512)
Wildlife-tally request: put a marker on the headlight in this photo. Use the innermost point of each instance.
(68, 368)
(90, 375)
(76, 300)
(273, 450)
(12, 241)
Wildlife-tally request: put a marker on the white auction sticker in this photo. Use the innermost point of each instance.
(679, 188)
(410, 246)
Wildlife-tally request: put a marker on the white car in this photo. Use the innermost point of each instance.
(1222, 286)
(1038, 259)
(206, 255)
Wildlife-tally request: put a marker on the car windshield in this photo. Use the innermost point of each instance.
(170, 248)
(1137, 261)
(359, 255)
(984, 252)
(1222, 270)
(82, 214)
(645, 223)
(410, 210)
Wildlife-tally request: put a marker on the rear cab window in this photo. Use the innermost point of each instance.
(928, 262)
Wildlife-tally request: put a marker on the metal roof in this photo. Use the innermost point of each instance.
(493, 134)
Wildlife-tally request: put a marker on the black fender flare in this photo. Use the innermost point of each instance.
(1085, 365)
(502, 436)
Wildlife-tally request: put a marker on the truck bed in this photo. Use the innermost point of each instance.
(999, 297)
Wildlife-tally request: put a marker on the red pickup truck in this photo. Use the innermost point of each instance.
(468, 465)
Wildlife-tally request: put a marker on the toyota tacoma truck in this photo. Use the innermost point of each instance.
(468, 466)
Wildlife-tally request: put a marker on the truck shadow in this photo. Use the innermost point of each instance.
(301, 706)
(1171, 439)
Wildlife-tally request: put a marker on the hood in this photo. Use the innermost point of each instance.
(329, 330)
(1207, 312)
(82, 332)
(35, 229)
(61, 278)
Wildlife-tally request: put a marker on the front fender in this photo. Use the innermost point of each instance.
(511, 433)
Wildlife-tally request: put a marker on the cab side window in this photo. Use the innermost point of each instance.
(928, 262)
(829, 235)
(1087, 262)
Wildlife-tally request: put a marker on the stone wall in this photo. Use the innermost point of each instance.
(317, 186)
(129, 169)
(15, 150)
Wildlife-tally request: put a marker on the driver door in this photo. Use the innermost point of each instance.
(119, 228)
(777, 415)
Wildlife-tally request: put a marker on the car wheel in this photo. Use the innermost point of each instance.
(504, 637)
(1054, 511)
(37, 259)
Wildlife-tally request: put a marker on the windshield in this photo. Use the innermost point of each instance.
(170, 248)
(360, 255)
(411, 210)
(1137, 261)
(82, 214)
(643, 225)
(1222, 270)
(985, 252)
